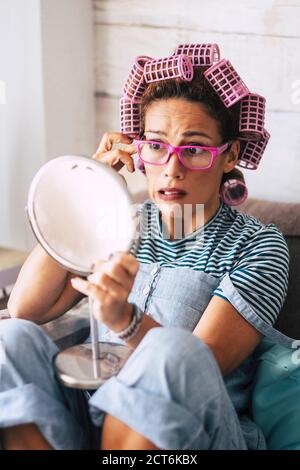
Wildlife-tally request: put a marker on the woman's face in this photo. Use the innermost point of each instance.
(179, 122)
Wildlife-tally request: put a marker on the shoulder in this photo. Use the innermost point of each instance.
(253, 232)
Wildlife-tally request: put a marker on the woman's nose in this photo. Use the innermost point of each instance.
(174, 167)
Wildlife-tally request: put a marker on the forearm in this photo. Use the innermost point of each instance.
(146, 325)
(38, 287)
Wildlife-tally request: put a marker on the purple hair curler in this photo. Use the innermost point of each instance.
(252, 117)
(234, 192)
(226, 82)
(134, 86)
(202, 55)
(252, 151)
(169, 67)
(130, 117)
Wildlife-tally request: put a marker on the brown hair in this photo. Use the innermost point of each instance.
(200, 91)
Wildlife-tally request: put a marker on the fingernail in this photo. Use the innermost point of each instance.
(93, 277)
(76, 282)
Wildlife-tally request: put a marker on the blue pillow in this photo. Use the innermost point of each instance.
(276, 397)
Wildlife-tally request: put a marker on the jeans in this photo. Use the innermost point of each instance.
(170, 390)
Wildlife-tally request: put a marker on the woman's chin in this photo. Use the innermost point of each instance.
(171, 209)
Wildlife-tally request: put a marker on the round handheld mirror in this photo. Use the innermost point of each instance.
(80, 212)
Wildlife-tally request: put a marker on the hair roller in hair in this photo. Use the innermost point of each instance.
(252, 117)
(130, 119)
(202, 55)
(226, 82)
(169, 67)
(252, 151)
(234, 192)
(138, 163)
(134, 86)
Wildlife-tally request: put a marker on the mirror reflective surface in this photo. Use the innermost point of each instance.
(80, 212)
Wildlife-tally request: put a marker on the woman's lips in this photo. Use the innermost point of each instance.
(171, 195)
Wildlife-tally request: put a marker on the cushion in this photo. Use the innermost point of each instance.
(275, 398)
(286, 216)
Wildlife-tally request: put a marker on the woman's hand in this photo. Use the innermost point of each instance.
(116, 157)
(110, 285)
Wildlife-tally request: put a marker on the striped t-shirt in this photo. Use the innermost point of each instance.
(254, 255)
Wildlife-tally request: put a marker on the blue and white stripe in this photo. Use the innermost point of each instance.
(255, 255)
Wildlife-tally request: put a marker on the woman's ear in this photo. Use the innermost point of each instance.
(232, 156)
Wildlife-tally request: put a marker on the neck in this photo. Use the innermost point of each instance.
(178, 227)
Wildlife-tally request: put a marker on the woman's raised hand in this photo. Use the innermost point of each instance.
(116, 150)
(110, 285)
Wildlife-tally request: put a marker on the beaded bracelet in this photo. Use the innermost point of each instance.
(131, 330)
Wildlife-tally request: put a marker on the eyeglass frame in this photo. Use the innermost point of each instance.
(215, 152)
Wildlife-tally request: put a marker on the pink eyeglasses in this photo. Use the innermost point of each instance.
(193, 157)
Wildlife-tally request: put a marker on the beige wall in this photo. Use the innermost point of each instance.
(260, 38)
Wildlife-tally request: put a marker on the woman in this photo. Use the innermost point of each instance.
(204, 301)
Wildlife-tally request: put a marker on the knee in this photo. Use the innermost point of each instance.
(173, 362)
(116, 435)
(175, 344)
(176, 352)
(15, 330)
(18, 336)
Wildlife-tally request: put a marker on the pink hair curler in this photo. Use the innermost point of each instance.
(234, 192)
(169, 67)
(130, 117)
(252, 117)
(134, 86)
(226, 82)
(252, 151)
(202, 55)
(139, 164)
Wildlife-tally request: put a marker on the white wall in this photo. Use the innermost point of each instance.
(47, 63)
(68, 76)
(260, 38)
(22, 132)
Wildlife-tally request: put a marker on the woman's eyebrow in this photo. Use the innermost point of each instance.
(185, 134)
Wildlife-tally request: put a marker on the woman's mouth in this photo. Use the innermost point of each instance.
(170, 194)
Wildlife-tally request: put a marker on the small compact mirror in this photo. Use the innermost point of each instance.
(80, 212)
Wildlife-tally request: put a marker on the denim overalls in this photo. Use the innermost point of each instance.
(170, 389)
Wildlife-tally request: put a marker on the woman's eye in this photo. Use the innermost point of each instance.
(195, 151)
(155, 146)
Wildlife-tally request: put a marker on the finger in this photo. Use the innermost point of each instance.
(115, 157)
(88, 288)
(109, 285)
(112, 137)
(129, 148)
(128, 261)
(115, 271)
